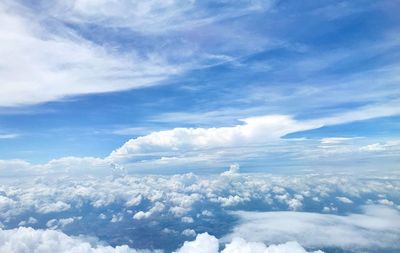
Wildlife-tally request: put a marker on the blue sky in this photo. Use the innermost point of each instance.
(199, 126)
(84, 77)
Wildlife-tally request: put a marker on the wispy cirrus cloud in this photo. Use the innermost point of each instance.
(62, 63)
(155, 16)
(49, 45)
(8, 135)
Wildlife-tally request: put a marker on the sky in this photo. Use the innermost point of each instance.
(199, 126)
(82, 78)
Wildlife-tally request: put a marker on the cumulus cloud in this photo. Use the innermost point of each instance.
(177, 196)
(241, 245)
(205, 243)
(254, 138)
(191, 203)
(58, 206)
(377, 227)
(255, 130)
(158, 207)
(344, 200)
(45, 241)
(24, 240)
(233, 170)
(189, 232)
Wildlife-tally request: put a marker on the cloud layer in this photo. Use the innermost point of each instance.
(23, 240)
(376, 227)
(171, 209)
(205, 243)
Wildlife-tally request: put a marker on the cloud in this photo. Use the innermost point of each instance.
(158, 207)
(45, 241)
(198, 203)
(344, 200)
(256, 130)
(58, 206)
(189, 232)
(336, 140)
(74, 166)
(392, 145)
(59, 61)
(205, 243)
(154, 16)
(60, 64)
(240, 245)
(371, 111)
(252, 138)
(178, 196)
(8, 136)
(376, 227)
(233, 170)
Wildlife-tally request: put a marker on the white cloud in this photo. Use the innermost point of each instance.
(344, 200)
(256, 138)
(134, 201)
(117, 217)
(8, 136)
(294, 204)
(45, 60)
(180, 146)
(158, 207)
(255, 130)
(233, 170)
(74, 166)
(240, 245)
(336, 140)
(189, 232)
(378, 226)
(187, 219)
(389, 108)
(61, 223)
(388, 145)
(176, 198)
(205, 243)
(40, 65)
(24, 240)
(154, 16)
(58, 206)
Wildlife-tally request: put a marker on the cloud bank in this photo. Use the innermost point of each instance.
(23, 240)
(205, 243)
(376, 227)
(171, 209)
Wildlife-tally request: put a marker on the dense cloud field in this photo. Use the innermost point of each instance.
(332, 213)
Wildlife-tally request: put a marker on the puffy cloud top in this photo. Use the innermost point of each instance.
(25, 240)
